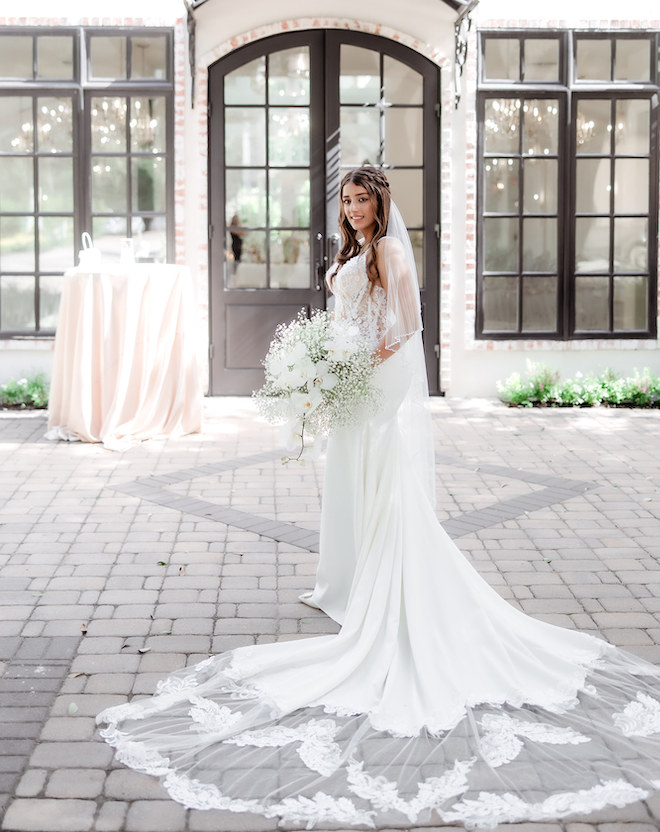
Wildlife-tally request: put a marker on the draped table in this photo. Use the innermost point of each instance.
(125, 366)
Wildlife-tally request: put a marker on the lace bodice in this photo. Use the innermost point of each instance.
(356, 302)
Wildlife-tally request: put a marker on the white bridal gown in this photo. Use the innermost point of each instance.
(437, 700)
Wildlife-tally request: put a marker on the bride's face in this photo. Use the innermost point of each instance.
(359, 209)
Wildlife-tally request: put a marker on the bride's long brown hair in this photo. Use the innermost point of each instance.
(375, 183)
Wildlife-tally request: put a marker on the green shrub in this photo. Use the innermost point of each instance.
(25, 393)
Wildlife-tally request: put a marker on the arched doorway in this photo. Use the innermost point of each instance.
(287, 116)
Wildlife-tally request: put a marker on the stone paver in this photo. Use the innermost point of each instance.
(118, 568)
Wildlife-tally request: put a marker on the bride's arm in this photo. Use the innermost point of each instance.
(402, 294)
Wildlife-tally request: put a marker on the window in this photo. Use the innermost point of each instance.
(567, 185)
(84, 146)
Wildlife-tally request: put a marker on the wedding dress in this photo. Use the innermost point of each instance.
(436, 700)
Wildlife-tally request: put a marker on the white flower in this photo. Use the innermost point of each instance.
(304, 403)
(323, 378)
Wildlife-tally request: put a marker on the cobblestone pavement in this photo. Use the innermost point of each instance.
(116, 568)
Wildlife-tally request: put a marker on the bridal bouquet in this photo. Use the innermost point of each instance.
(319, 376)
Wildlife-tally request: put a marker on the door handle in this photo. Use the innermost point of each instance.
(319, 265)
(331, 246)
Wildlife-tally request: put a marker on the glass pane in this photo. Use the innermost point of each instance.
(632, 60)
(148, 125)
(107, 56)
(109, 124)
(631, 247)
(247, 84)
(632, 126)
(55, 56)
(592, 244)
(501, 186)
(592, 303)
(359, 75)
(16, 130)
(55, 125)
(540, 126)
(245, 137)
(541, 59)
(56, 244)
(250, 272)
(540, 245)
(417, 242)
(150, 239)
(539, 302)
(17, 244)
(404, 135)
(288, 76)
(593, 59)
(55, 184)
(289, 260)
(540, 186)
(631, 186)
(502, 125)
(288, 136)
(593, 126)
(501, 244)
(50, 293)
(15, 56)
(289, 198)
(360, 136)
(407, 188)
(107, 233)
(17, 303)
(592, 186)
(630, 303)
(500, 304)
(401, 84)
(109, 185)
(148, 182)
(149, 56)
(16, 184)
(502, 59)
(246, 197)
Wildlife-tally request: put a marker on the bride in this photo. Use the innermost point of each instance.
(437, 700)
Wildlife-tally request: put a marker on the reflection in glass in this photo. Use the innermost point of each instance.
(55, 125)
(250, 270)
(540, 244)
(288, 76)
(632, 61)
(107, 56)
(16, 184)
(288, 136)
(109, 185)
(15, 56)
(631, 186)
(592, 186)
(17, 303)
(245, 136)
(417, 242)
(592, 244)
(108, 124)
(289, 260)
(107, 233)
(540, 186)
(631, 247)
(592, 304)
(500, 304)
(359, 75)
(403, 136)
(55, 184)
(289, 198)
(401, 83)
(55, 244)
(502, 59)
(501, 186)
(360, 136)
(50, 294)
(502, 125)
(593, 127)
(408, 187)
(593, 59)
(148, 127)
(501, 244)
(148, 183)
(541, 59)
(246, 196)
(247, 84)
(148, 56)
(54, 56)
(630, 303)
(631, 134)
(16, 127)
(539, 304)
(151, 245)
(540, 126)
(17, 244)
